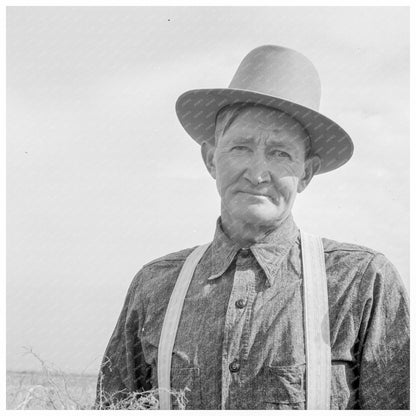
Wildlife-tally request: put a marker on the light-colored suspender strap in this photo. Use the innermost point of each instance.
(316, 324)
(170, 325)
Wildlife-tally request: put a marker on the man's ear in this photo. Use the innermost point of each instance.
(312, 165)
(207, 152)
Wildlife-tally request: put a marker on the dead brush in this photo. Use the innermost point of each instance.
(57, 390)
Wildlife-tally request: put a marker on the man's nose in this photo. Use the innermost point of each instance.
(258, 170)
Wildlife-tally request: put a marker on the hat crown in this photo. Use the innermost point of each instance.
(279, 72)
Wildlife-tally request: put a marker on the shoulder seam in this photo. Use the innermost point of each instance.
(164, 260)
(369, 251)
(172, 257)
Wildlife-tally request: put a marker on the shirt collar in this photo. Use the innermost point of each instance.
(269, 252)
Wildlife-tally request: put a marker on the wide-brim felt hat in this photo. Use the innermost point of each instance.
(279, 78)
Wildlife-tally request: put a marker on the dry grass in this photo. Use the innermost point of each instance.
(52, 388)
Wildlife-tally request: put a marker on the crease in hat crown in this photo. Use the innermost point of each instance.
(277, 77)
(281, 72)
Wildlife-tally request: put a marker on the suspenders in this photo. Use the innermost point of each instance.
(316, 324)
(315, 321)
(170, 325)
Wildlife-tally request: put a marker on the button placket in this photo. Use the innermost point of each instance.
(232, 333)
(244, 348)
(242, 257)
(237, 319)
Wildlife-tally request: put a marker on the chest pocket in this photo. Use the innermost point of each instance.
(188, 380)
(284, 387)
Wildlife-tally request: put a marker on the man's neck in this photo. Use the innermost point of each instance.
(245, 234)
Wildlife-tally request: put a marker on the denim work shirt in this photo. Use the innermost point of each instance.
(240, 340)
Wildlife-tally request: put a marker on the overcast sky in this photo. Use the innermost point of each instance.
(101, 177)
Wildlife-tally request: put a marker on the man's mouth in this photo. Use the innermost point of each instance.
(260, 194)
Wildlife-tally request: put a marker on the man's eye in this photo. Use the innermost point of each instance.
(280, 153)
(240, 148)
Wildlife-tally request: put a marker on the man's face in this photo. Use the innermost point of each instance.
(259, 166)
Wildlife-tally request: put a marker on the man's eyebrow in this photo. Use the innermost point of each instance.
(242, 139)
(284, 142)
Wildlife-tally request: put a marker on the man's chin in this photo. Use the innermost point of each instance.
(258, 213)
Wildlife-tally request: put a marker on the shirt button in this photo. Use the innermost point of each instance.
(240, 303)
(234, 366)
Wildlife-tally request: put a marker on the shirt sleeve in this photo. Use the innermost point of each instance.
(123, 369)
(384, 381)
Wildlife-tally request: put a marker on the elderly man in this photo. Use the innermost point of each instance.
(236, 327)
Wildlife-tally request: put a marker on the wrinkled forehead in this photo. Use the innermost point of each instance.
(249, 119)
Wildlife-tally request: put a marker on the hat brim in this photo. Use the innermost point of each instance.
(197, 110)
